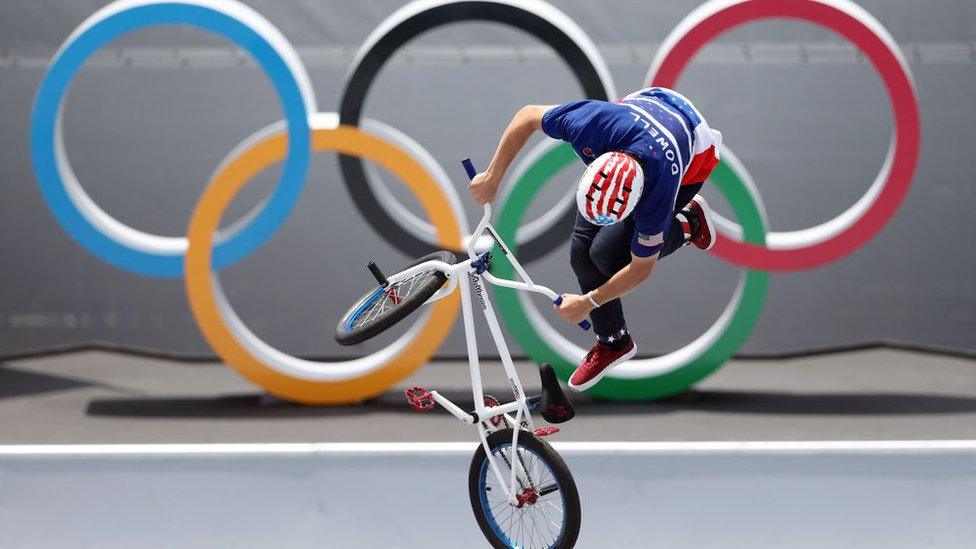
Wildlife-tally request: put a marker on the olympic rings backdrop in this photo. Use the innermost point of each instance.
(205, 250)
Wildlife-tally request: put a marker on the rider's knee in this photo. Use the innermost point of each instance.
(579, 254)
(608, 261)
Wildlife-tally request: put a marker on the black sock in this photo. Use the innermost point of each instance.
(621, 342)
(618, 340)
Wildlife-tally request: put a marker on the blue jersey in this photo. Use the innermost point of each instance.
(649, 129)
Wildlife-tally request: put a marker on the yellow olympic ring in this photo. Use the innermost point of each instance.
(276, 371)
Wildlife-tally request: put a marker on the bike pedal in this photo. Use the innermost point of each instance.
(545, 431)
(420, 399)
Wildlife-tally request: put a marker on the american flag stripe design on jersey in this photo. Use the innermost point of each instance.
(650, 240)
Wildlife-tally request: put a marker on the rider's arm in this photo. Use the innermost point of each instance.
(637, 271)
(526, 121)
(652, 218)
(575, 308)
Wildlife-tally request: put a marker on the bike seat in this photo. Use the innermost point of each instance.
(554, 405)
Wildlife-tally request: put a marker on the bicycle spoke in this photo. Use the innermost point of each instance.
(535, 531)
(385, 303)
(540, 520)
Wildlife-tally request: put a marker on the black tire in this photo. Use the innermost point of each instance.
(480, 475)
(370, 322)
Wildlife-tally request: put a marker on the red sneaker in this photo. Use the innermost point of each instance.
(698, 208)
(598, 362)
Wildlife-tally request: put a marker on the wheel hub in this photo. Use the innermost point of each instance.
(528, 495)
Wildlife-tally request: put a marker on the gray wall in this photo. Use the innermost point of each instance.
(145, 134)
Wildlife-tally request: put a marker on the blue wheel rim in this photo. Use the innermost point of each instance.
(486, 508)
(360, 309)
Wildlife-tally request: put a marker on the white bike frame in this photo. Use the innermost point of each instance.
(467, 274)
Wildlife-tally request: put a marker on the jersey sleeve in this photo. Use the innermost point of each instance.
(653, 216)
(566, 121)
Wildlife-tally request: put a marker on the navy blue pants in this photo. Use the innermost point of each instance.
(598, 252)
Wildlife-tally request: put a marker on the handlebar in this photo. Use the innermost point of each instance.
(469, 167)
(472, 172)
(584, 324)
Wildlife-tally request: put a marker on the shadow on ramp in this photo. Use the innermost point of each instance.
(249, 406)
(791, 403)
(15, 383)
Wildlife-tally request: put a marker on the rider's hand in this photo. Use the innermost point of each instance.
(483, 188)
(574, 308)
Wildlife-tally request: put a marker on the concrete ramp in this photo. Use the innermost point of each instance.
(895, 494)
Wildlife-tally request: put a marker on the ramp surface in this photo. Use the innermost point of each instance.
(752, 495)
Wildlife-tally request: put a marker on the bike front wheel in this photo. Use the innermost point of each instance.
(547, 511)
(382, 307)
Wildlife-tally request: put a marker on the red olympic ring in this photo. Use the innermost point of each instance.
(842, 235)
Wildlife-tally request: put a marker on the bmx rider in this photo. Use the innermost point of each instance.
(647, 156)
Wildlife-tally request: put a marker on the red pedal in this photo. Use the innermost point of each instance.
(545, 431)
(420, 399)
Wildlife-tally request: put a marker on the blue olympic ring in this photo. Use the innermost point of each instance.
(45, 135)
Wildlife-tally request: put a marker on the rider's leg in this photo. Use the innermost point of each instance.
(587, 273)
(676, 237)
(596, 253)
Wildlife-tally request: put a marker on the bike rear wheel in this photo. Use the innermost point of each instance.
(548, 511)
(382, 307)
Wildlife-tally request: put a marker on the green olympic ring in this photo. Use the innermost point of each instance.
(642, 379)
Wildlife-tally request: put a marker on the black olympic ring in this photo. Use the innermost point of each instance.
(374, 54)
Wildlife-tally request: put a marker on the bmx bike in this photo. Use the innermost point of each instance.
(522, 493)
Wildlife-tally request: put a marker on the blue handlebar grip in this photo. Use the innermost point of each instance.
(469, 167)
(585, 324)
